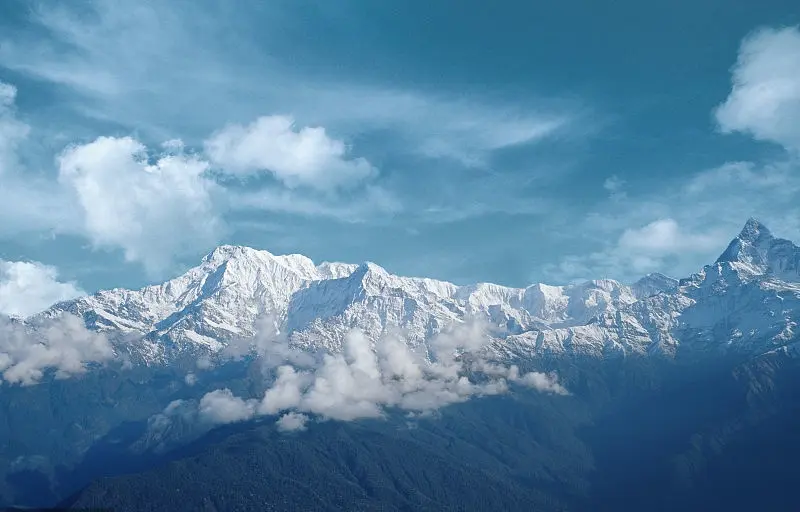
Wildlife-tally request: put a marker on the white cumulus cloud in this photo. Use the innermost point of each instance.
(221, 406)
(765, 96)
(292, 421)
(27, 287)
(152, 209)
(305, 156)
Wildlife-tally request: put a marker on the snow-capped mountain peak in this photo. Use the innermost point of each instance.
(214, 301)
(755, 250)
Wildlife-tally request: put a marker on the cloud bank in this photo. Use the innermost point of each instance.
(62, 344)
(367, 378)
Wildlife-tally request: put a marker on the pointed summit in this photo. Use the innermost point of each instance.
(753, 230)
(763, 253)
(751, 246)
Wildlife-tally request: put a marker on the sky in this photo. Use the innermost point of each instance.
(509, 142)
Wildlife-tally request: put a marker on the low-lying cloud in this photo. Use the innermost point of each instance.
(367, 378)
(292, 421)
(62, 344)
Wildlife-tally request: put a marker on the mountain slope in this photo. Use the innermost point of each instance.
(699, 438)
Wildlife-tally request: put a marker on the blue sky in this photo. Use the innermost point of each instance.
(509, 141)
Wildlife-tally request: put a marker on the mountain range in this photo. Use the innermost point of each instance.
(745, 301)
(145, 354)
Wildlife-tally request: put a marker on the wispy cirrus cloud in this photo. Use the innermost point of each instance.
(12, 130)
(28, 200)
(156, 67)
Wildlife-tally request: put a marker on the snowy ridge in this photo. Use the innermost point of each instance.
(747, 300)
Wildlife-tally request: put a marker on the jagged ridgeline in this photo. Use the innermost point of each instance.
(669, 384)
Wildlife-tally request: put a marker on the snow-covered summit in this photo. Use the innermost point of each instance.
(758, 252)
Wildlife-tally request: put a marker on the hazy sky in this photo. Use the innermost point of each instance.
(505, 141)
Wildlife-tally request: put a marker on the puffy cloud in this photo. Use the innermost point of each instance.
(639, 250)
(286, 392)
(663, 237)
(152, 210)
(221, 406)
(765, 96)
(348, 386)
(366, 378)
(160, 206)
(545, 382)
(29, 287)
(62, 344)
(297, 157)
(291, 422)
